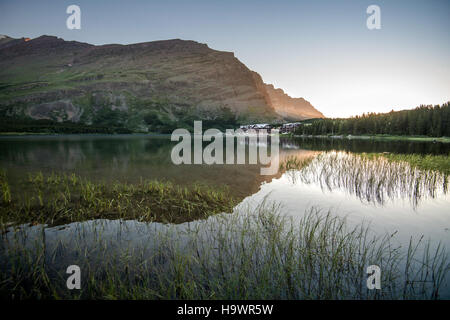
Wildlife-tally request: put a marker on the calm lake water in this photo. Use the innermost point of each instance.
(130, 158)
(391, 197)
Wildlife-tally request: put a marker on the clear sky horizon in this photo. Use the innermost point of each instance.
(319, 50)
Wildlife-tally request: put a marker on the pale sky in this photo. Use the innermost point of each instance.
(319, 50)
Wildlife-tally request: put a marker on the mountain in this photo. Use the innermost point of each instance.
(291, 108)
(6, 41)
(154, 86)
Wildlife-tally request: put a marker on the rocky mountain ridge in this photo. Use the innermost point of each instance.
(143, 86)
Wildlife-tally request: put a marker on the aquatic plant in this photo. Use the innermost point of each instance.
(295, 162)
(251, 254)
(434, 162)
(6, 191)
(372, 179)
(58, 199)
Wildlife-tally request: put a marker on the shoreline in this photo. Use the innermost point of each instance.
(46, 134)
(379, 137)
(349, 137)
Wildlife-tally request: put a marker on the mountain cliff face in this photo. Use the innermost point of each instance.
(291, 108)
(144, 86)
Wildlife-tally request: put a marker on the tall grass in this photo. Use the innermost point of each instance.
(424, 162)
(59, 199)
(372, 179)
(259, 254)
(6, 191)
(295, 163)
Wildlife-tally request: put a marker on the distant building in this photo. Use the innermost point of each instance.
(290, 127)
(257, 127)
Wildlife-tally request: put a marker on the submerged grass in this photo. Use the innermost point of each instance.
(59, 199)
(253, 254)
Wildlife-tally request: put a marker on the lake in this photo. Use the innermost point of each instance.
(338, 176)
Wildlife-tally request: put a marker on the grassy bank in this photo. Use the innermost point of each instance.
(439, 163)
(22, 133)
(254, 254)
(59, 199)
(374, 178)
(29, 126)
(382, 137)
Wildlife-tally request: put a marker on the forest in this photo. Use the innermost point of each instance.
(426, 120)
(13, 125)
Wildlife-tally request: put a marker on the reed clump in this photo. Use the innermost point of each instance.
(295, 163)
(252, 254)
(372, 179)
(59, 198)
(421, 161)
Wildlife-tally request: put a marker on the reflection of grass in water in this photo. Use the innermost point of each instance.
(57, 199)
(372, 179)
(251, 255)
(425, 162)
(295, 163)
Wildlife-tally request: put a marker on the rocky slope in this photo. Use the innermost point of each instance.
(291, 108)
(146, 86)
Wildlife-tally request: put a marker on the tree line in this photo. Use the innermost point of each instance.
(49, 126)
(426, 120)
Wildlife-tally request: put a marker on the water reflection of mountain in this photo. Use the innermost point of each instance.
(132, 158)
(125, 158)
